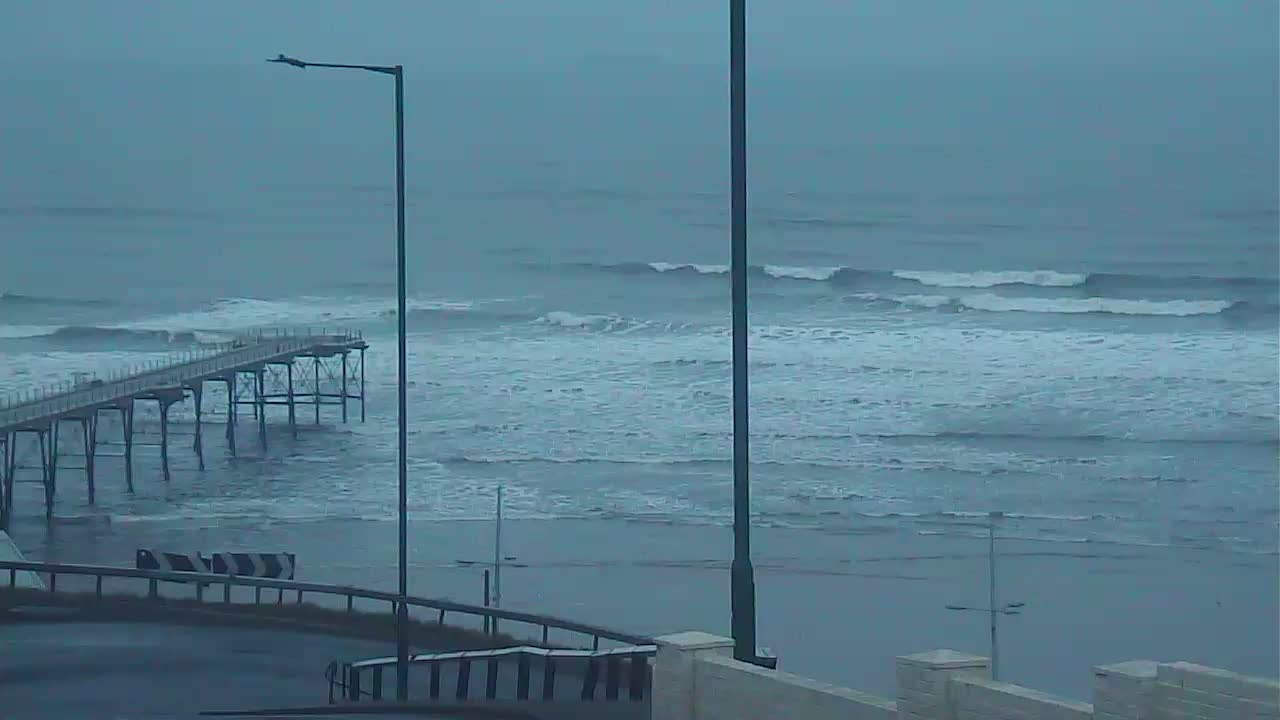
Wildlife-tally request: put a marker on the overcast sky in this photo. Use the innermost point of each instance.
(506, 32)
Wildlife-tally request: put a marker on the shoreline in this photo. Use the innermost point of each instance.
(834, 607)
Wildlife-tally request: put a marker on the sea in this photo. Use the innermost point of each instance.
(1048, 292)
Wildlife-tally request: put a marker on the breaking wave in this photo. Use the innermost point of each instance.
(118, 336)
(988, 278)
(979, 279)
(17, 300)
(987, 302)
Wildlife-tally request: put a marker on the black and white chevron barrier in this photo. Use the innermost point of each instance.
(263, 565)
(171, 562)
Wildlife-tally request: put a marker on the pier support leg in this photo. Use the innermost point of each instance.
(344, 388)
(5, 441)
(48, 452)
(197, 392)
(164, 439)
(362, 394)
(10, 465)
(231, 413)
(293, 414)
(315, 386)
(89, 433)
(126, 428)
(260, 407)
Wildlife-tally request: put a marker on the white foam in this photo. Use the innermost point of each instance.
(244, 313)
(571, 320)
(1179, 308)
(924, 301)
(10, 332)
(801, 273)
(702, 269)
(992, 278)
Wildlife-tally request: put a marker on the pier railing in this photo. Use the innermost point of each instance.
(173, 369)
(440, 607)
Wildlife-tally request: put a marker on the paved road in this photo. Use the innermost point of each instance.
(154, 670)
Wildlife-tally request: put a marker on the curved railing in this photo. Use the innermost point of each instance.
(93, 390)
(155, 577)
(610, 675)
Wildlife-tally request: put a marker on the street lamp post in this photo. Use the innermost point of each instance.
(992, 609)
(402, 608)
(742, 575)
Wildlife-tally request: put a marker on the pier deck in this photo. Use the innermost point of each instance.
(264, 360)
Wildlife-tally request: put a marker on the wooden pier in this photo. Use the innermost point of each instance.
(257, 371)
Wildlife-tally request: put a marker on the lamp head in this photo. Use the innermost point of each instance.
(286, 60)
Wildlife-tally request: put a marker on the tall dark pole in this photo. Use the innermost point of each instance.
(402, 606)
(742, 576)
(402, 612)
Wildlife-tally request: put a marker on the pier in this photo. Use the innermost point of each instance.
(275, 368)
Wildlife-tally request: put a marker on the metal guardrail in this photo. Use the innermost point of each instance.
(439, 606)
(634, 684)
(86, 393)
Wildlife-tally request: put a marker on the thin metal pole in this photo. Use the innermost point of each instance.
(497, 556)
(742, 577)
(402, 614)
(487, 619)
(991, 598)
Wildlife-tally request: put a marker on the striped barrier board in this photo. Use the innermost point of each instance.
(263, 565)
(176, 562)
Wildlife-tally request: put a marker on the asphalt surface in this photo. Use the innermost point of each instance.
(153, 670)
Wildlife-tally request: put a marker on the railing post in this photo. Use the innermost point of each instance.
(226, 592)
(522, 677)
(464, 679)
(548, 678)
(153, 589)
(491, 680)
(350, 603)
(612, 677)
(97, 588)
(53, 582)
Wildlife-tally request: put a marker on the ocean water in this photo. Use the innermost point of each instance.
(1050, 293)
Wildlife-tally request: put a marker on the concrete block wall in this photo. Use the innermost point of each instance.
(924, 681)
(1125, 691)
(727, 689)
(695, 678)
(674, 677)
(1186, 691)
(982, 699)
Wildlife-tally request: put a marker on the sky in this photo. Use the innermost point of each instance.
(501, 33)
